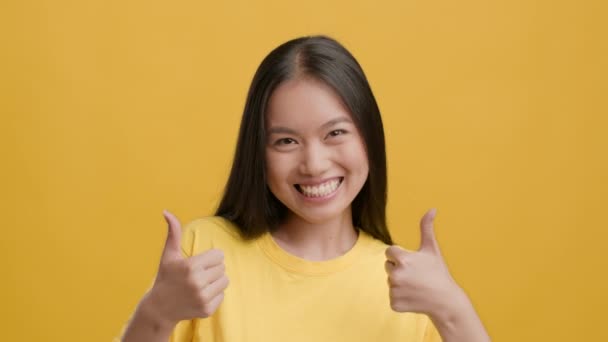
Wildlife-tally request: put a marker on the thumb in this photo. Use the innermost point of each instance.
(172, 250)
(427, 233)
(394, 254)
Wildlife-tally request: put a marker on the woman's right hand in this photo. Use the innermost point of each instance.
(186, 288)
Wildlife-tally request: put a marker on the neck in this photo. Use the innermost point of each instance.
(317, 241)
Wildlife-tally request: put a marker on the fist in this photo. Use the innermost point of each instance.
(187, 288)
(419, 281)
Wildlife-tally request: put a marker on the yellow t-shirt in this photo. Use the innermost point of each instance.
(276, 296)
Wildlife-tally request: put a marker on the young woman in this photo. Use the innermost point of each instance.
(301, 229)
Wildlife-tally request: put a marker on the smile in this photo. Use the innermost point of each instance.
(320, 190)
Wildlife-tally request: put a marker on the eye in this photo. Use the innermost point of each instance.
(284, 141)
(337, 132)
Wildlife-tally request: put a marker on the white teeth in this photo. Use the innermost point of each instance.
(320, 190)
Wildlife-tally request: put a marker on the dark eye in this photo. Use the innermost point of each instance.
(284, 141)
(337, 132)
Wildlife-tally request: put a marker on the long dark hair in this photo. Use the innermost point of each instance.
(247, 200)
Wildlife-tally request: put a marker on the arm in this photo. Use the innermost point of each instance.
(147, 325)
(459, 321)
(185, 288)
(421, 282)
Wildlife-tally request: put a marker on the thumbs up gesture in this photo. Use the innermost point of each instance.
(187, 288)
(420, 281)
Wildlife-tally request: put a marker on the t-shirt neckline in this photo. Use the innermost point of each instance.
(299, 265)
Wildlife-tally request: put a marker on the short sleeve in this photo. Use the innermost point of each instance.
(431, 334)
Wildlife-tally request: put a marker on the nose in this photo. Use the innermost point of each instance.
(315, 160)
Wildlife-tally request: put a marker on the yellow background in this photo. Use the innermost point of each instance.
(495, 113)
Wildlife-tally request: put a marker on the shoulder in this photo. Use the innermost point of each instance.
(375, 245)
(372, 253)
(374, 250)
(211, 225)
(209, 232)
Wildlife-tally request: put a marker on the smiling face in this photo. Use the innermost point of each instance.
(316, 159)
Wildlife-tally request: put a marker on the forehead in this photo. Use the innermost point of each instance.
(304, 103)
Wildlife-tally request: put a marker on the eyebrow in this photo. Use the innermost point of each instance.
(332, 122)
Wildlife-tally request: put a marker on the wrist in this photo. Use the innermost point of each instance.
(151, 311)
(147, 324)
(457, 320)
(454, 308)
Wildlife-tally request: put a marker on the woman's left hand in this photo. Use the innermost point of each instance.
(420, 281)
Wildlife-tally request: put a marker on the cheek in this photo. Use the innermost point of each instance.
(276, 171)
(354, 157)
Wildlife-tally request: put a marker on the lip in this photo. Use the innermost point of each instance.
(316, 182)
(324, 198)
